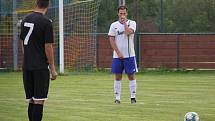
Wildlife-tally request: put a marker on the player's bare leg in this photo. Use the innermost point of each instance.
(38, 110)
(133, 87)
(117, 87)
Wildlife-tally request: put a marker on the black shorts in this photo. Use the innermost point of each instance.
(36, 84)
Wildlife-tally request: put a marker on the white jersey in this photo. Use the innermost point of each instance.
(125, 45)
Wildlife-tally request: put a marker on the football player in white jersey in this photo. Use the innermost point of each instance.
(121, 36)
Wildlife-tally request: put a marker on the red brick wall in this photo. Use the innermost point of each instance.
(0, 54)
(167, 50)
(157, 50)
(6, 52)
(104, 51)
(183, 51)
(197, 51)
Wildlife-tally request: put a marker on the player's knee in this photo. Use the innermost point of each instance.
(118, 77)
(31, 101)
(41, 102)
(131, 77)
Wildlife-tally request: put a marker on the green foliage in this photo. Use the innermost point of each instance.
(189, 16)
(179, 15)
(138, 10)
(107, 14)
(192, 16)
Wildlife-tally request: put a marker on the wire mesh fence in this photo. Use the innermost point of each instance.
(87, 23)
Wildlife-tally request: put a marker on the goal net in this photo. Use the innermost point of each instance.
(80, 26)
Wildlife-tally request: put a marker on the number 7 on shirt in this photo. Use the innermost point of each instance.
(31, 26)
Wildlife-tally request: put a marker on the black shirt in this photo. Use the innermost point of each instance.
(36, 31)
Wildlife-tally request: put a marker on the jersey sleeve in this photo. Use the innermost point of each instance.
(111, 31)
(49, 35)
(133, 25)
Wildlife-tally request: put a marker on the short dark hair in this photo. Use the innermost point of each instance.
(122, 7)
(42, 3)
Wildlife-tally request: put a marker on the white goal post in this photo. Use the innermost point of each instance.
(61, 37)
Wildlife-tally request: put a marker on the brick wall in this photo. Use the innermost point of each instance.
(197, 51)
(104, 51)
(182, 51)
(167, 50)
(0, 54)
(6, 52)
(157, 50)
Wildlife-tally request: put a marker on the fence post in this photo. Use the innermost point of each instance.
(138, 48)
(15, 37)
(121, 2)
(161, 16)
(178, 52)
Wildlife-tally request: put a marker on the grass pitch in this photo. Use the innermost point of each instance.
(161, 96)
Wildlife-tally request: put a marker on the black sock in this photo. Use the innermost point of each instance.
(30, 111)
(37, 112)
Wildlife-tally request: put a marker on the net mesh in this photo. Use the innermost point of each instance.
(80, 24)
(80, 40)
(6, 34)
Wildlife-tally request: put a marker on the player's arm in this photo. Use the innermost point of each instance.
(22, 47)
(128, 30)
(49, 37)
(21, 37)
(50, 56)
(115, 48)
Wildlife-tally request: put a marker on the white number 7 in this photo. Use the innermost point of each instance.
(31, 26)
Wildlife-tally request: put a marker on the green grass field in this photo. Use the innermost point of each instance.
(161, 96)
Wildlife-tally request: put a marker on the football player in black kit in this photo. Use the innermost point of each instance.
(38, 62)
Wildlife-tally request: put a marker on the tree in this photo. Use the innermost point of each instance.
(179, 15)
(188, 16)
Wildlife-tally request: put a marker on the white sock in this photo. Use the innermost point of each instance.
(117, 89)
(133, 88)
